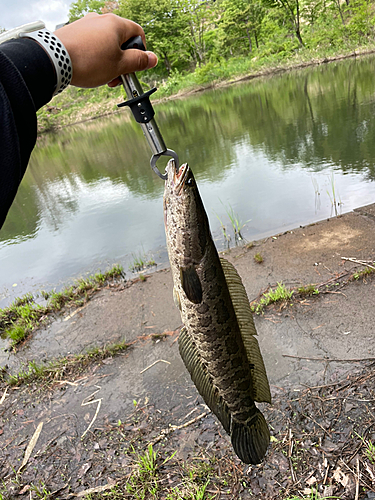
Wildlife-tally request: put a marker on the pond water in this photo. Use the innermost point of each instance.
(277, 152)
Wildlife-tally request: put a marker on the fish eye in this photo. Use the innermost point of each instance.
(190, 182)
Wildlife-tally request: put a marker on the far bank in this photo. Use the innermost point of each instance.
(76, 106)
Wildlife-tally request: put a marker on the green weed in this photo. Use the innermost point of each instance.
(279, 294)
(40, 491)
(57, 368)
(24, 315)
(332, 195)
(227, 237)
(369, 448)
(143, 482)
(314, 495)
(258, 258)
(140, 262)
(236, 224)
(308, 290)
(364, 272)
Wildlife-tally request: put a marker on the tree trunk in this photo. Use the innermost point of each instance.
(299, 38)
(297, 25)
(167, 63)
(249, 39)
(340, 11)
(256, 38)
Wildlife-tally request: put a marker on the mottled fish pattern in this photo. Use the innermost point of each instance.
(217, 343)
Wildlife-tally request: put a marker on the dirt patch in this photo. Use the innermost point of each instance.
(321, 440)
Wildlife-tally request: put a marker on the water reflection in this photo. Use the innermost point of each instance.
(266, 148)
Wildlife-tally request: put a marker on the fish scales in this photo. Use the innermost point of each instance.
(215, 353)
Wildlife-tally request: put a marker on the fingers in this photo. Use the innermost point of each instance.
(131, 29)
(94, 45)
(137, 60)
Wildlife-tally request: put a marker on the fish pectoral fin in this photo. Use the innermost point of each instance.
(191, 284)
(260, 388)
(202, 379)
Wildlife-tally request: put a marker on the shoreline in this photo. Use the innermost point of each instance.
(289, 65)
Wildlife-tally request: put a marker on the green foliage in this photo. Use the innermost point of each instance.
(166, 27)
(280, 293)
(80, 8)
(308, 290)
(55, 369)
(363, 273)
(24, 315)
(258, 258)
(143, 482)
(140, 262)
(240, 26)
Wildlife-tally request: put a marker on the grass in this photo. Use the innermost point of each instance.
(227, 237)
(140, 262)
(369, 448)
(308, 290)
(24, 315)
(280, 293)
(143, 482)
(236, 224)
(258, 258)
(314, 495)
(362, 274)
(56, 369)
(332, 195)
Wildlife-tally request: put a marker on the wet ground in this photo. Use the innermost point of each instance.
(130, 398)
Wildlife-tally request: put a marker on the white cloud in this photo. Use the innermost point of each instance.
(17, 12)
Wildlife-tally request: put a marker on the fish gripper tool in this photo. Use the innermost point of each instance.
(141, 107)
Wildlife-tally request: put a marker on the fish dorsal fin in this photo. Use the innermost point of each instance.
(261, 388)
(202, 379)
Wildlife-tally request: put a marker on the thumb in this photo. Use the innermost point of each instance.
(137, 60)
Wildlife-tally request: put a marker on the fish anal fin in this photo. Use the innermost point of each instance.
(202, 379)
(260, 387)
(191, 284)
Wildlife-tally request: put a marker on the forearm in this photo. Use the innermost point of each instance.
(27, 80)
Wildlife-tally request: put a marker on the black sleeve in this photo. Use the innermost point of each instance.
(27, 82)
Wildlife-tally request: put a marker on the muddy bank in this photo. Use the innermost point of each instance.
(318, 350)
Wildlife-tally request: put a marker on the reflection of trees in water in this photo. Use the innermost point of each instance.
(315, 117)
(58, 201)
(23, 217)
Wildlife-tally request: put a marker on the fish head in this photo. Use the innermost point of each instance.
(185, 218)
(179, 182)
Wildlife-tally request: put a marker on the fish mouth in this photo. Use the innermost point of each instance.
(180, 178)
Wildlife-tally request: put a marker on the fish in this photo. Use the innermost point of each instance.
(217, 341)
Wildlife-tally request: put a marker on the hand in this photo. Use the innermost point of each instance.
(94, 46)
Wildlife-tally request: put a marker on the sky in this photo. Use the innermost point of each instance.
(14, 13)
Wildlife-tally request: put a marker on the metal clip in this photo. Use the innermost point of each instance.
(155, 157)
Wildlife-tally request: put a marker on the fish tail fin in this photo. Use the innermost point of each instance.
(250, 440)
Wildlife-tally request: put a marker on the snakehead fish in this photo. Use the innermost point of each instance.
(217, 342)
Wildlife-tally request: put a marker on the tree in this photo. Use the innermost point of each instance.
(80, 8)
(166, 29)
(241, 20)
(200, 16)
(291, 8)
